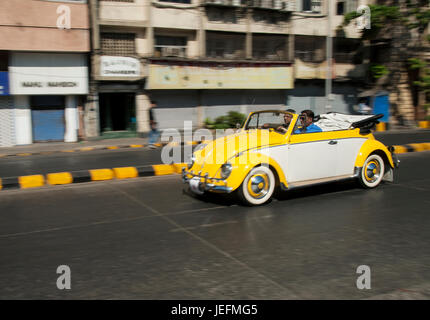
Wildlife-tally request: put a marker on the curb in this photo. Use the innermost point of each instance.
(411, 147)
(62, 178)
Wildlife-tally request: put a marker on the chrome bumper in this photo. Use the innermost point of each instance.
(207, 184)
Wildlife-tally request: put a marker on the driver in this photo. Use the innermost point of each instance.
(287, 120)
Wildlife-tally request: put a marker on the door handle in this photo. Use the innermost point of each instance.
(332, 142)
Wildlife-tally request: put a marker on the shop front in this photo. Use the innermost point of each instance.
(117, 90)
(47, 90)
(206, 90)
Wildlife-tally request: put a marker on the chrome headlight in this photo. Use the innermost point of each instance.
(226, 170)
(191, 163)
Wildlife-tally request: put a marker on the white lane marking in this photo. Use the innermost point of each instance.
(206, 225)
(103, 223)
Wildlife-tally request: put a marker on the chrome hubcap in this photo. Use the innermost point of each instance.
(373, 171)
(258, 186)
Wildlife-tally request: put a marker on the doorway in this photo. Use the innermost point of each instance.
(117, 114)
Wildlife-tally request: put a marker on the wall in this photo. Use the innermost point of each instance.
(312, 97)
(123, 12)
(31, 25)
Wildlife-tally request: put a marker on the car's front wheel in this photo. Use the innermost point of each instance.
(258, 186)
(372, 172)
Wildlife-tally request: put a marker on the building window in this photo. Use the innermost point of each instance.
(266, 47)
(340, 10)
(168, 46)
(224, 45)
(4, 61)
(311, 6)
(347, 51)
(118, 44)
(310, 48)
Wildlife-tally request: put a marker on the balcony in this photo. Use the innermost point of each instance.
(224, 45)
(281, 5)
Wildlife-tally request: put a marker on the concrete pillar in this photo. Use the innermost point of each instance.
(23, 126)
(71, 117)
(142, 116)
(248, 44)
(201, 33)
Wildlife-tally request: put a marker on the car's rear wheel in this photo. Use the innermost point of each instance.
(372, 172)
(258, 186)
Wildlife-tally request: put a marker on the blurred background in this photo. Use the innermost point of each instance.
(75, 70)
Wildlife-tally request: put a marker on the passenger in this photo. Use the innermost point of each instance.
(287, 120)
(307, 119)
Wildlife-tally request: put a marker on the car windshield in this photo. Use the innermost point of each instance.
(268, 119)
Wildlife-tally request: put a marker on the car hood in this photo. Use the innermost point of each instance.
(218, 151)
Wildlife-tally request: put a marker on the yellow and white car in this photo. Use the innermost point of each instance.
(261, 157)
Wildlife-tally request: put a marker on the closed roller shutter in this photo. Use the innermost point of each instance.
(47, 116)
(7, 127)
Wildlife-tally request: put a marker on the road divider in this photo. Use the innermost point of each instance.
(412, 147)
(63, 178)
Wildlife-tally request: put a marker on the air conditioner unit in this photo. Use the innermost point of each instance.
(171, 52)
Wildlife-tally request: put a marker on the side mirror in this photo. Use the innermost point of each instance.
(238, 125)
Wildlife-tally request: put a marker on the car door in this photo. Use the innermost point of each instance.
(348, 150)
(311, 156)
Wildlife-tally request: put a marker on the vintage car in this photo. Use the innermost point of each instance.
(269, 154)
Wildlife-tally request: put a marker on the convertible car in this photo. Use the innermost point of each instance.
(269, 153)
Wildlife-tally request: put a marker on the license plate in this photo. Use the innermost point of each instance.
(194, 185)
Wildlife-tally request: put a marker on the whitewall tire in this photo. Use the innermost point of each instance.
(258, 186)
(372, 172)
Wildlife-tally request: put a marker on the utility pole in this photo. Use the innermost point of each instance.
(329, 54)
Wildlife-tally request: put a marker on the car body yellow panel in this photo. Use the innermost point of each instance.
(243, 164)
(369, 147)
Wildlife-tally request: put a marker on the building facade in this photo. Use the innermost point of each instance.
(200, 59)
(46, 61)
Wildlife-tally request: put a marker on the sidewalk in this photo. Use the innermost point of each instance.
(48, 147)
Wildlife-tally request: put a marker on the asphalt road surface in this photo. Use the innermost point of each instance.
(60, 162)
(146, 238)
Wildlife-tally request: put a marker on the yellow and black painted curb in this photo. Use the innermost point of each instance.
(411, 147)
(86, 149)
(62, 178)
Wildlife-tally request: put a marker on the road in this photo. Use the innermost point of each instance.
(146, 239)
(60, 162)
